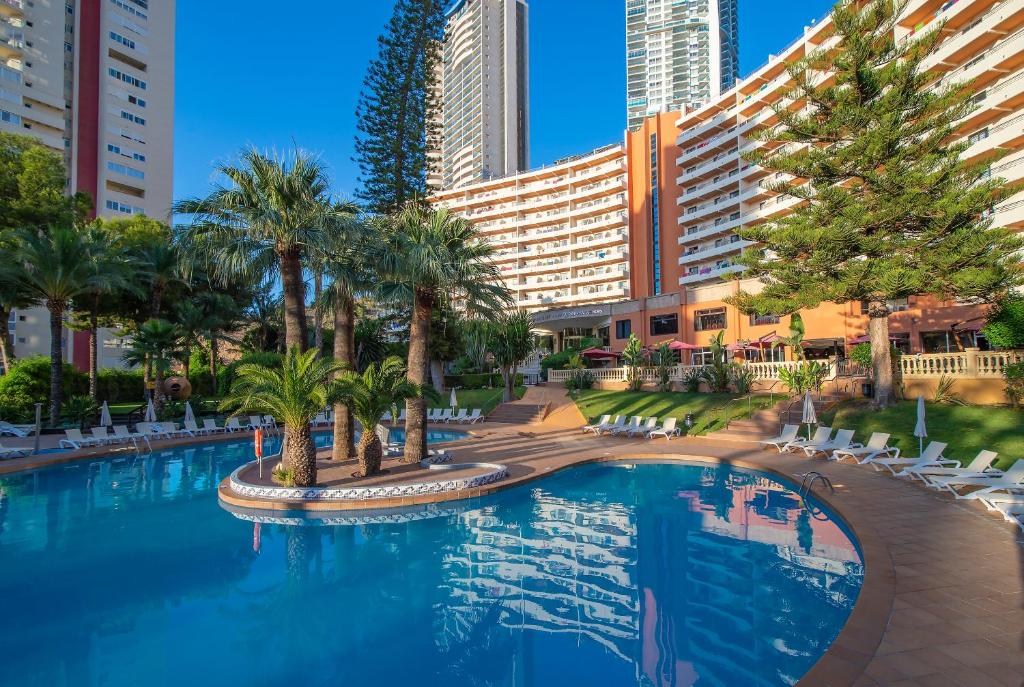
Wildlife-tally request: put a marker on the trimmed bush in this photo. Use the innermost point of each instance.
(477, 381)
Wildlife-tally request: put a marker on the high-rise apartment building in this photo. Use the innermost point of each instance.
(679, 54)
(93, 80)
(485, 103)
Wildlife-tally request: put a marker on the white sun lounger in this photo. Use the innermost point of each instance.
(14, 430)
(994, 500)
(821, 435)
(842, 440)
(210, 427)
(7, 453)
(232, 425)
(1012, 478)
(926, 473)
(788, 434)
(667, 430)
(401, 415)
(121, 433)
(74, 439)
(193, 428)
(475, 417)
(619, 422)
(320, 419)
(255, 422)
(597, 425)
(462, 416)
(932, 455)
(645, 428)
(447, 416)
(876, 446)
(101, 435)
(634, 424)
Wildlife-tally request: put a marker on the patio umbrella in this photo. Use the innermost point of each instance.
(105, 420)
(454, 400)
(809, 416)
(920, 430)
(189, 415)
(598, 354)
(735, 347)
(682, 346)
(150, 412)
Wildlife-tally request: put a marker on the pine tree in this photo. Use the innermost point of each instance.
(396, 121)
(889, 209)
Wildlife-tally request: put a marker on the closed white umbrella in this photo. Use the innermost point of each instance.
(454, 400)
(809, 416)
(920, 430)
(189, 415)
(105, 420)
(150, 412)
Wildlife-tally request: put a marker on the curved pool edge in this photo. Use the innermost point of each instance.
(845, 659)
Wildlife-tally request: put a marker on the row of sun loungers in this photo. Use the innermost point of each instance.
(101, 436)
(978, 480)
(446, 415)
(637, 425)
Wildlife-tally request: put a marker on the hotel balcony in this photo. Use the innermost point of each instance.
(1005, 56)
(971, 33)
(1007, 134)
(707, 149)
(728, 224)
(12, 8)
(710, 168)
(1010, 213)
(1005, 96)
(713, 125)
(600, 257)
(711, 274)
(726, 181)
(708, 252)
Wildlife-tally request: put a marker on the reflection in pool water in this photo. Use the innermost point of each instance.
(128, 572)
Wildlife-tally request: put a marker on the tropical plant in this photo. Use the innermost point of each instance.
(294, 393)
(891, 207)
(371, 394)
(511, 343)
(742, 378)
(396, 113)
(427, 255)
(155, 344)
(716, 374)
(262, 225)
(664, 360)
(81, 410)
(162, 268)
(578, 379)
(476, 333)
(1014, 376)
(691, 380)
(795, 340)
(370, 342)
(54, 268)
(635, 359)
(807, 376)
(944, 391)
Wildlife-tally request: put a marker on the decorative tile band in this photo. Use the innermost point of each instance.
(371, 518)
(494, 473)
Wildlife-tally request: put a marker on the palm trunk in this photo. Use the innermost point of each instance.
(318, 319)
(295, 330)
(6, 348)
(158, 391)
(213, 366)
(881, 356)
(93, 353)
(370, 453)
(416, 408)
(56, 359)
(437, 375)
(508, 375)
(156, 301)
(344, 352)
(300, 454)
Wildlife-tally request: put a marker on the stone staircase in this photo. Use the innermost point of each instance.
(519, 413)
(764, 424)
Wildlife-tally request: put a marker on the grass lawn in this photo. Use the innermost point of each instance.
(708, 409)
(967, 429)
(484, 399)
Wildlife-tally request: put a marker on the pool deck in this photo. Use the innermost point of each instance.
(943, 596)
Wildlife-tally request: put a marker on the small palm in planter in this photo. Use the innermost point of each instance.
(294, 393)
(369, 395)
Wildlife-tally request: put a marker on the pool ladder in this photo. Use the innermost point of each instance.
(808, 483)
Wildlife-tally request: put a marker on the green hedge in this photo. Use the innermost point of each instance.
(28, 383)
(477, 381)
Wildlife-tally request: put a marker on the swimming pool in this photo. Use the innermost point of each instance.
(127, 572)
(325, 438)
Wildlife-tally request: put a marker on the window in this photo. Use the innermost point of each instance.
(9, 117)
(129, 9)
(126, 209)
(655, 219)
(127, 78)
(701, 356)
(118, 38)
(756, 320)
(709, 319)
(623, 328)
(664, 324)
(895, 305)
(127, 171)
(133, 118)
(767, 355)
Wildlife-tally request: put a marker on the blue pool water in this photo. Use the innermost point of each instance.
(128, 572)
(325, 438)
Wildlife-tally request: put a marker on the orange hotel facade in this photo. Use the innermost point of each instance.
(640, 237)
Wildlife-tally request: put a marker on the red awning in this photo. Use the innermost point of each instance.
(766, 341)
(598, 354)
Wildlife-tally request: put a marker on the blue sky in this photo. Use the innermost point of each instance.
(269, 77)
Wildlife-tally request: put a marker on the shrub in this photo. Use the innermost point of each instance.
(80, 410)
(477, 381)
(691, 380)
(1005, 326)
(117, 386)
(808, 376)
(717, 377)
(944, 391)
(28, 383)
(580, 379)
(742, 379)
(1014, 375)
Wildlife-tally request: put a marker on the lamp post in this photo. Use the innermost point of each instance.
(39, 427)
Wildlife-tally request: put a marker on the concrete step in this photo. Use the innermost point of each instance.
(519, 413)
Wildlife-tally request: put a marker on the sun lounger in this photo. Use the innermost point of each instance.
(101, 435)
(269, 422)
(634, 424)
(462, 416)
(121, 433)
(788, 434)
(386, 417)
(401, 416)
(74, 439)
(619, 421)
(667, 430)
(842, 440)
(926, 473)
(642, 430)
(15, 430)
(876, 446)
(820, 436)
(998, 501)
(433, 414)
(320, 419)
(193, 428)
(991, 481)
(210, 427)
(255, 422)
(447, 415)
(474, 417)
(232, 425)
(932, 455)
(7, 453)
(597, 425)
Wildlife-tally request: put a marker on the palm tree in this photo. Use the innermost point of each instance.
(156, 344)
(262, 226)
(302, 387)
(795, 340)
(371, 394)
(425, 254)
(54, 268)
(162, 266)
(511, 343)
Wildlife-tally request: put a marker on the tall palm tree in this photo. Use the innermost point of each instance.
(371, 394)
(55, 268)
(262, 226)
(302, 387)
(427, 253)
(162, 267)
(511, 343)
(156, 344)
